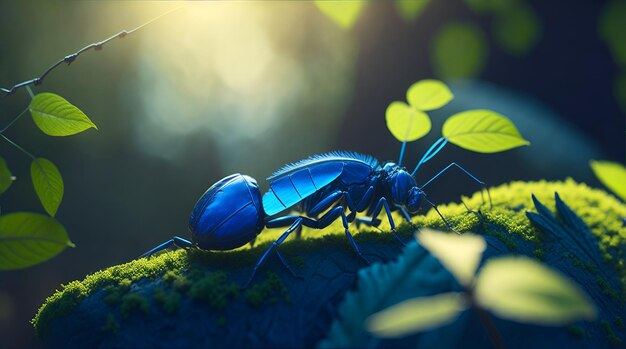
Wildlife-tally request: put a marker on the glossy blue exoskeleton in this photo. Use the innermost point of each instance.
(322, 188)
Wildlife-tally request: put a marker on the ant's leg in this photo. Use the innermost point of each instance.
(405, 214)
(330, 217)
(482, 184)
(175, 241)
(383, 203)
(296, 223)
(440, 215)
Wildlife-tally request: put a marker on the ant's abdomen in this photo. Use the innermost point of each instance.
(228, 215)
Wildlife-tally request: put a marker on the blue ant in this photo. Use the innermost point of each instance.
(232, 212)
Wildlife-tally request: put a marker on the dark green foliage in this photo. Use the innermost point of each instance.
(213, 288)
(168, 300)
(577, 331)
(608, 331)
(267, 291)
(111, 325)
(134, 303)
(115, 293)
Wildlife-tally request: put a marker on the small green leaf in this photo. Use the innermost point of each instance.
(460, 51)
(459, 254)
(611, 28)
(612, 175)
(517, 30)
(482, 131)
(428, 95)
(55, 116)
(28, 238)
(417, 314)
(521, 289)
(6, 178)
(48, 184)
(410, 9)
(405, 123)
(344, 13)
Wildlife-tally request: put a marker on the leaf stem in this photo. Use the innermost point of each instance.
(14, 120)
(492, 331)
(18, 146)
(30, 92)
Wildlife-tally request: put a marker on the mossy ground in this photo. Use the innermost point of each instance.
(194, 273)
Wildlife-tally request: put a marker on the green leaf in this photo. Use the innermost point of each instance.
(523, 290)
(612, 175)
(428, 95)
(57, 117)
(611, 28)
(6, 178)
(459, 254)
(417, 314)
(460, 51)
(48, 184)
(410, 9)
(405, 123)
(344, 13)
(517, 30)
(28, 238)
(482, 131)
(491, 6)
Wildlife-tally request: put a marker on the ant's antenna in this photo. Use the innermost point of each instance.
(431, 152)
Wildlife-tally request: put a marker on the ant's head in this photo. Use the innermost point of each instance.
(401, 184)
(414, 200)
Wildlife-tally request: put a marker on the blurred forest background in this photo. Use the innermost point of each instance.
(222, 87)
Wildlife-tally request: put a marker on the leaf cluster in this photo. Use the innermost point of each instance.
(480, 130)
(29, 238)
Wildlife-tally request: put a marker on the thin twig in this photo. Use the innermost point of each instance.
(18, 146)
(72, 57)
(14, 120)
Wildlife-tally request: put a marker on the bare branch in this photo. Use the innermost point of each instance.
(72, 57)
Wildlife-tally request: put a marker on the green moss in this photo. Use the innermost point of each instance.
(212, 288)
(267, 291)
(133, 303)
(619, 322)
(115, 293)
(577, 331)
(110, 325)
(63, 302)
(186, 271)
(177, 280)
(606, 289)
(169, 300)
(608, 331)
(221, 321)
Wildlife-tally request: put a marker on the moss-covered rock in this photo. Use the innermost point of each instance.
(193, 298)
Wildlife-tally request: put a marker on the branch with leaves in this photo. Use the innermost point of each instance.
(28, 238)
